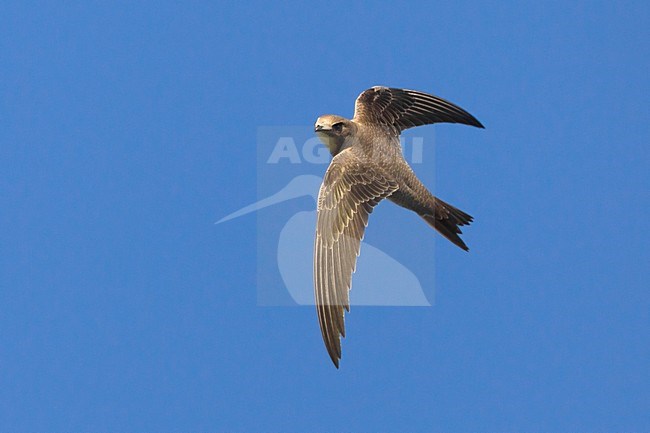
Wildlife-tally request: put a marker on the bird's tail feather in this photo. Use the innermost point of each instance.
(447, 220)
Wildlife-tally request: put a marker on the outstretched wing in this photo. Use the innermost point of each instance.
(349, 192)
(401, 109)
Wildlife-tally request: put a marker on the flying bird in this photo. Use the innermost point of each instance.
(367, 167)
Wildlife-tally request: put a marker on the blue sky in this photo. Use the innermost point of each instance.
(127, 130)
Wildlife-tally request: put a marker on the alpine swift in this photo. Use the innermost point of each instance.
(367, 167)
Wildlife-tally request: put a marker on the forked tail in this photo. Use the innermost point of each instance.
(447, 220)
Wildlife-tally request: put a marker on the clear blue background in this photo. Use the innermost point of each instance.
(127, 129)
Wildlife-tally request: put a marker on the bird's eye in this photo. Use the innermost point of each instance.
(338, 127)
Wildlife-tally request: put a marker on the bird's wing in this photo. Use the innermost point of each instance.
(347, 196)
(401, 109)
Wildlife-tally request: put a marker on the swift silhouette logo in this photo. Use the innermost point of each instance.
(286, 221)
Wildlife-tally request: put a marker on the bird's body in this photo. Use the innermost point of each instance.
(368, 166)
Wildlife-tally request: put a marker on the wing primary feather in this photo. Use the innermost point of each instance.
(402, 109)
(349, 192)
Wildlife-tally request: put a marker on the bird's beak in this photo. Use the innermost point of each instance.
(319, 128)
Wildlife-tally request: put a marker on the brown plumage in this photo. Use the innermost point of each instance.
(367, 167)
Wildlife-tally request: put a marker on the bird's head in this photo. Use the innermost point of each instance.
(333, 131)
